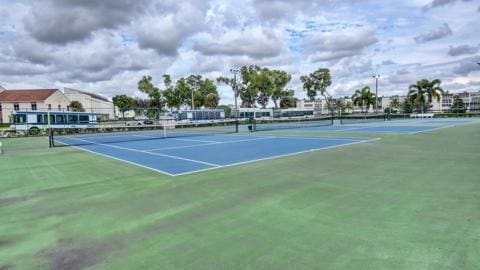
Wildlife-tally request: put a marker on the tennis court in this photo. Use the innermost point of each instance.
(402, 202)
(362, 125)
(183, 155)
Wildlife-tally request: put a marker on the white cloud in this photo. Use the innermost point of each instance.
(328, 46)
(106, 46)
(462, 50)
(255, 41)
(441, 32)
(166, 34)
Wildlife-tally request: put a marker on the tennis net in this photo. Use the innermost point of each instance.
(118, 134)
(364, 118)
(279, 124)
(397, 116)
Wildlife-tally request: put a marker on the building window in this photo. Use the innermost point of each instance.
(16, 107)
(59, 107)
(49, 107)
(34, 106)
(0, 107)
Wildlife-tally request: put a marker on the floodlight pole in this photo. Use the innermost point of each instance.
(193, 90)
(376, 77)
(235, 87)
(235, 91)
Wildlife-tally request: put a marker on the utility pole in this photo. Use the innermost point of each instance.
(193, 91)
(235, 91)
(376, 77)
(235, 87)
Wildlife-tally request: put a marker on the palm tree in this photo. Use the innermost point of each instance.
(434, 90)
(423, 92)
(349, 106)
(395, 103)
(364, 98)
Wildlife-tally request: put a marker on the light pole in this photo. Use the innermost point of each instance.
(193, 91)
(376, 77)
(235, 88)
(235, 91)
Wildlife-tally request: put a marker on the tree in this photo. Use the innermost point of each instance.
(172, 98)
(181, 93)
(349, 106)
(280, 79)
(434, 91)
(341, 105)
(227, 109)
(458, 106)
(76, 106)
(395, 103)
(123, 103)
(263, 82)
(407, 106)
(423, 92)
(393, 107)
(256, 86)
(317, 82)
(259, 85)
(141, 106)
(146, 86)
(211, 100)
(364, 98)
(201, 89)
(230, 82)
(288, 100)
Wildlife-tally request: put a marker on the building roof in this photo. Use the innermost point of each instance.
(89, 94)
(26, 95)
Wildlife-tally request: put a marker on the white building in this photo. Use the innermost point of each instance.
(471, 100)
(319, 105)
(92, 103)
(31, 100)
(52, 100)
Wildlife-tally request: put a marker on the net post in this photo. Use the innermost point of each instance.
(50, 131)
(50, 138)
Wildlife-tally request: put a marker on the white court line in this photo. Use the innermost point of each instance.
(278, 156)
(300, 137)
(173, 138)
(213, 143)
(326, 138)
(190, 140)
(150, 153)
(431, 129)
(123, 160)
(357, 128)
(148, 137)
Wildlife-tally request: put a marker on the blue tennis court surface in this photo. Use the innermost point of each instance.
(177, 156)
(406, 126)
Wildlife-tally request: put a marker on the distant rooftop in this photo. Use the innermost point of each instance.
(88, 93)
(26, 95)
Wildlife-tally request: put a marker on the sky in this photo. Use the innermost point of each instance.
(107, 46)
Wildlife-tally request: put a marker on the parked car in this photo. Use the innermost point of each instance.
(134, 123)
(148, 122)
